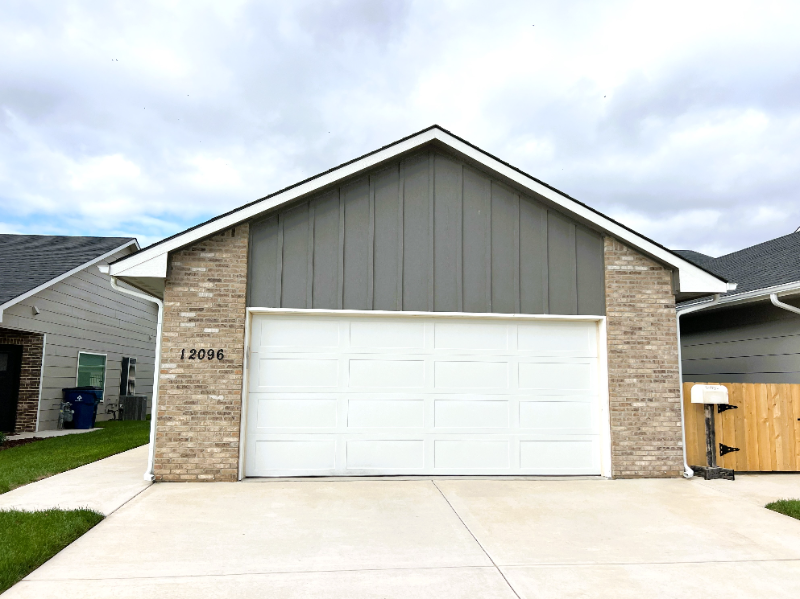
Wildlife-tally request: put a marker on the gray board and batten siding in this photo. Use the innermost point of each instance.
(83, 313)
(750, 343)
(427, 233)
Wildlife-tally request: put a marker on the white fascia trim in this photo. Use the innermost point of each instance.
(692, 279)
(63, 276)
(748, 296)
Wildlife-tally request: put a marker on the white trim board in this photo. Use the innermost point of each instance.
(151, 262)
(65, 275)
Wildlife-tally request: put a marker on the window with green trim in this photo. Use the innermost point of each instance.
(91, 370)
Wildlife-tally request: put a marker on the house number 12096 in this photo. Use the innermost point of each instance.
(203, 354)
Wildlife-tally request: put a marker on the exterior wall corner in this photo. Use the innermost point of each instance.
(200, 400)
(643, 373)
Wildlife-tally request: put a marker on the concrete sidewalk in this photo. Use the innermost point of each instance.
(103, 486)
(433, 538)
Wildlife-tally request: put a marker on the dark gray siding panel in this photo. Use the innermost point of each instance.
(416, 236)
(388, 239)
(356, 245)
(295, 257)
(533, 287)
(590, 266)
(753, 343)
(326, 252)
(262, 279)
(477, 242)
(505, 250)
(447, 236)
(428, 233)
(561, 265)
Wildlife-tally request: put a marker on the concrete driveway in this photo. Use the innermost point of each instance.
(434, 538)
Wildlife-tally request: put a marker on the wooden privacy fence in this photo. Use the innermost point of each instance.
(764, 426)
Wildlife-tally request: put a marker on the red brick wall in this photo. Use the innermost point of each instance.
(200, 401)
(28, 404)
(643, 378)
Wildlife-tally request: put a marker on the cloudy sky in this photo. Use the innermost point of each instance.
(681, 120)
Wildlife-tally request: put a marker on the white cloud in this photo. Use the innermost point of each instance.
(683, 120)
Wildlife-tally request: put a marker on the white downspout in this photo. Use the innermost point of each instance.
(773, 297)
(148, 475)
(687, 471)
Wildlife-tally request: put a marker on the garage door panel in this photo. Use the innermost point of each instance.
(386, 454)
(465, 337)
(297, 372)
(301, 455)
(387, 374)
(563, 415)
(386, 334)
(468, 374)
(562, 375)
(421, 395)
(296, 413)
(470, 454)
(298, 333)
(553, 338)
(460, 413)
(385, 413)
(559, 455)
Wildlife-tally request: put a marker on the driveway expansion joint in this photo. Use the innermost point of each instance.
(499, 571)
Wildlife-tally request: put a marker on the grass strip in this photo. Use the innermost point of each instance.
(29, 539)
(787, 507)
(35, 461)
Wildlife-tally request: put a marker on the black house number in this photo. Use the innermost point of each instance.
(203, 354)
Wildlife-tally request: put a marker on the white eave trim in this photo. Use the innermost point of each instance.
(691, 279)
(753, 296)
(65, 275)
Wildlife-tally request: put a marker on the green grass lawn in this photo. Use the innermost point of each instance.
(28, 539)
(35, 461)
(788, 507)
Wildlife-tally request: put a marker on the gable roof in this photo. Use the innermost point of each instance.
(29, 263)
(151, 262)
(762, 266)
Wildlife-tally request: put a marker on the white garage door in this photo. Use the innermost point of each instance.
(365, 395)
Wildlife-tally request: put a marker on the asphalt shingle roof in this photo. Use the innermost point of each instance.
(27, 261)
(774, 262)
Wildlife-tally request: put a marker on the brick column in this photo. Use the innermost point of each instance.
(200, 401)
(30, 376)
(643, 381)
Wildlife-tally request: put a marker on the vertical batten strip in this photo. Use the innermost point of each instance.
(371, 247)
(431, 235)
(279, 253)
(340, 277)
(546, 270)
(517, 259)
(460, 239)
(401, 224)
(310, 271)
(489, 245)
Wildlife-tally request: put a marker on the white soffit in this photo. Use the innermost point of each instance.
(153, 260)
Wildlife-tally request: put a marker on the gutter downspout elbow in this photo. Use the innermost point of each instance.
(773, 297)
(687, 471)
(149, 473)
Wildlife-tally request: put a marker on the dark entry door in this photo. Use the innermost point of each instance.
(10, 363)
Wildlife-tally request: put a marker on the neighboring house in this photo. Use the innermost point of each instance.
(62, 325)
(423, 309)
(745, 338)
(748, 340)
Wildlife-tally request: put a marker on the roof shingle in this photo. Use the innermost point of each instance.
(774, 262)
(27, 261)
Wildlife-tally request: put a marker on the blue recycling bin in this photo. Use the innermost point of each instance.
(84, 402)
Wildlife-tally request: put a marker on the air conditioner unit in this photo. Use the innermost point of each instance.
(133, 407)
